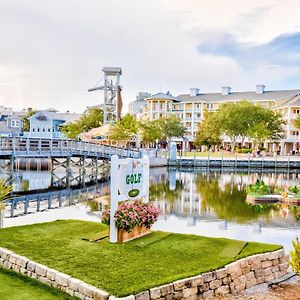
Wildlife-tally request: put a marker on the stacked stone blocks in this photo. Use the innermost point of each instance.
(233, 278)
(51, 277)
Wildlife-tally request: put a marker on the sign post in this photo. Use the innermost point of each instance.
(129, 181)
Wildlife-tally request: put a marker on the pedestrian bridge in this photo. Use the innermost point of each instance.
(58, 148)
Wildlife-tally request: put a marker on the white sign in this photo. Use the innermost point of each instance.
(129, 181)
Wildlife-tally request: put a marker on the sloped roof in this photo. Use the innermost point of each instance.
(292, 101)
(235, 96)
(163, 96)
(16, 116)
(67, 117)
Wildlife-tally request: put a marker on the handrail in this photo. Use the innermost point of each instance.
(21, 145)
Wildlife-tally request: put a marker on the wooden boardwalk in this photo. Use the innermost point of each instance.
(23, 205)
(56, 148)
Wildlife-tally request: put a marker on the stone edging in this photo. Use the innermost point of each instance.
(64, 282)
(232, 278)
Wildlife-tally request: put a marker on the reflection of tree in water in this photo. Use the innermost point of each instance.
(25, 185)
(228, 202)
(295, 211)
(161, 191)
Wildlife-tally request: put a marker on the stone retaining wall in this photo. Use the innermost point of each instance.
(233, 278)
(64, 282)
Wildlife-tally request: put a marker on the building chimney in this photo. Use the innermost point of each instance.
(260, 89)
(194, 92)
(226, 90)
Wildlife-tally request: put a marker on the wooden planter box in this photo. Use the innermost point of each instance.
(138, 231)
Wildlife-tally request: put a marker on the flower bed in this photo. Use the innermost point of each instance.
(133, 219)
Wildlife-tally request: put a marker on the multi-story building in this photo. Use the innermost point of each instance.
(135, 107)
(47, 123)
(190, 109)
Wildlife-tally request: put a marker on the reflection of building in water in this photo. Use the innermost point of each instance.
(218, 196)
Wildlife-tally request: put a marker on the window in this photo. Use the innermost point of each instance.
(38, 129)
(43, 129)
(15, 123)
(197, 105)
(296, 111)
(33, 130)
(295, 133)
(209, 105)
(49, 129)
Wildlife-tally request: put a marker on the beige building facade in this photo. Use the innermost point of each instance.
(190, 109)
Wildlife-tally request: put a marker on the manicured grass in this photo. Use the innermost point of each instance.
(122, 269)
(14, 286)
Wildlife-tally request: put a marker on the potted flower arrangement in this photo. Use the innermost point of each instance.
(133, 219)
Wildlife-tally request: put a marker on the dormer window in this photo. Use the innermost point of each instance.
(41, 118)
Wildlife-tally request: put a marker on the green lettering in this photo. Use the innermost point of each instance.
(139, 178)
(127, 179)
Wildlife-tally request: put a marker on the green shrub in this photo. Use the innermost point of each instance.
(243, 150)
(5, 191)
(258, 188)
(294, 189)
(295, 256)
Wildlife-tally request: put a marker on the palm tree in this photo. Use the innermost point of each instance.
(5, 192)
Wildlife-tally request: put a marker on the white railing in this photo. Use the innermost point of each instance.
(57, 147)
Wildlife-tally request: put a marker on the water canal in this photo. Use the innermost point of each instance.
(203, 202)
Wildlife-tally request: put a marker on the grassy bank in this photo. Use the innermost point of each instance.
(17, 287)
(128, 268)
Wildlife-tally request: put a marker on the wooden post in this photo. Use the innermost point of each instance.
(114, 196)
(68, 172)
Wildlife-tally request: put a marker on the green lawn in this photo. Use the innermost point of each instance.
(17, 287)
(122, 269)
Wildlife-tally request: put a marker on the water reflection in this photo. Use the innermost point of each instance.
(198, 202)
(221, 196)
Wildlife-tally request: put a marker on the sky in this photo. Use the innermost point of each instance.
(52, 51)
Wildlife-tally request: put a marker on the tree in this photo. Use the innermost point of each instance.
(26, 122)
(269, 126)
(245, 119)
(209, 131)
(171, 126)
(150, 131)
(92, 119)
(125, 129)
(296, 122)
(236, 119)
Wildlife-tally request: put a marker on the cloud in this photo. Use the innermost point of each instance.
(52, 51)
(282, 53)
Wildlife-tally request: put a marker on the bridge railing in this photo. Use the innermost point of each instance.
(23, 146)
(22, 205)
